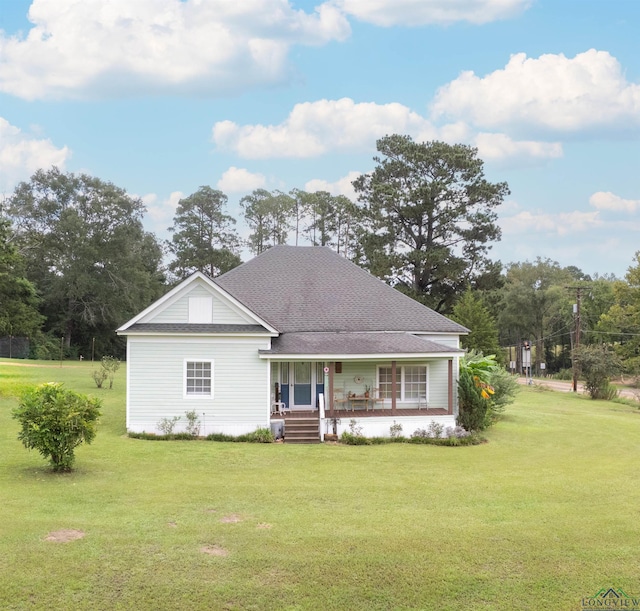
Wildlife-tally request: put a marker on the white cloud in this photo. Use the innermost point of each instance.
(342, 186)
(605, 200)
(160, 213)
(240, 180)
(82, 48)
(552, 92)
(22, 154)
(422, 12)
(501, 146)
(315, 128)
(561, 223)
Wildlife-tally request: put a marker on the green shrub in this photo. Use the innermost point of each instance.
(149, 436)
(395, 430)
(505, 388)
(55, 421)
(471, 440)
(354, 440)
(193, 423)
(484, 390)
(220, 437)
(598, 363)
(472, 406)
(563, 374)
(260, 435)
(166, 425)
(354, 428)
(108, 367)
(626, 401)
(608, 392)
(99, 376)
(44, 347)
(156, 437)
(110, 364)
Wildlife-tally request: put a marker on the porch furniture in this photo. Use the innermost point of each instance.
(359, 400)
(339, 400)
(376, 398)
(422, 402)
(279, 408)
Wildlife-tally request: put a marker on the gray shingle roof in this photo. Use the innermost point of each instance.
(355, 343)
(149, 327)
(307, 288)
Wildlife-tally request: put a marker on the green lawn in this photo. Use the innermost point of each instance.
(543, 515)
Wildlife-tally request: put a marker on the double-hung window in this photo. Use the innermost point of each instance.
(411, 382)
(198, 378)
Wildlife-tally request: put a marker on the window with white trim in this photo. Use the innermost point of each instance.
(198, 379)
(411, 382)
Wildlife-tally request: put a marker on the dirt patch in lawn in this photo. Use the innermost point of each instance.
(65, 535)
(232, 518)
(263, 525)
(214, 550)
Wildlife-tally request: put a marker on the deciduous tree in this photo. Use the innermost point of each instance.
(87, 253)
(620, 323)
(18, 300)
(536, 304)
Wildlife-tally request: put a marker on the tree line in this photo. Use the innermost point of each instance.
(76, 261)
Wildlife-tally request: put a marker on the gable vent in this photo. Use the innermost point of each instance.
(200, 310)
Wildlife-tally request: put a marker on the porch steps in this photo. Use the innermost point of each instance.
(302, 430)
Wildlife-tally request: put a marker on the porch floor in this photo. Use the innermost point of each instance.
(362, 413)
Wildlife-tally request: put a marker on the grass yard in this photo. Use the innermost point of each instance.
(545, 514)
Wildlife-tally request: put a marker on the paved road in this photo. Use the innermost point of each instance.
(567, 386)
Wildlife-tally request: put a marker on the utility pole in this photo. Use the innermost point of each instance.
(576, 343)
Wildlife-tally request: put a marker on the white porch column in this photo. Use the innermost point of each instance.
(394, 383)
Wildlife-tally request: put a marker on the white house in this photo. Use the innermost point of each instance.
(295, 335)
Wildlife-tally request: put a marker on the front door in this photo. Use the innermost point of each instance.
(301, 380)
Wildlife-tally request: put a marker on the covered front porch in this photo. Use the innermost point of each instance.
(369, 387)
(374, 378)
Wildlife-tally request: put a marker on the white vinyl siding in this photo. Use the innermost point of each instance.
(453, 341)
(240, 392)
(198, 379)
(221, 311)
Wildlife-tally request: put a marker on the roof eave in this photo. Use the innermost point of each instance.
(268, 354)
(194, 334)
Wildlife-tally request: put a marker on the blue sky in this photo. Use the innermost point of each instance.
(163, 96)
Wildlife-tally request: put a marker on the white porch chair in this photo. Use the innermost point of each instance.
(376, 398)
(422, 402)
(278, 407)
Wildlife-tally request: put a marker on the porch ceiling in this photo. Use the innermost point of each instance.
(352, 346)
